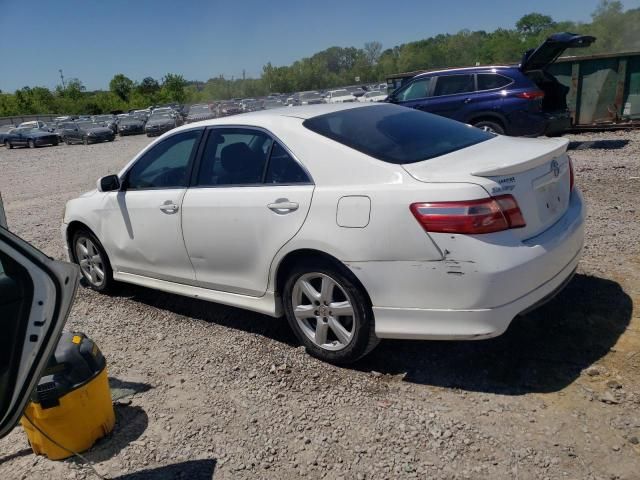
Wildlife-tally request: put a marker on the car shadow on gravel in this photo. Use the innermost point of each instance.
(191, 470)
(131, 422)
(543, 351)
(598, 145)
(274, 328)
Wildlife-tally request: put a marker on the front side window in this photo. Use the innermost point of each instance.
(453, 84)
(415, 90)
(166, 165)
(234, 156)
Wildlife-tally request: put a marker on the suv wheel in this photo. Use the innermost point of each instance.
(490, 126)
(329, 313)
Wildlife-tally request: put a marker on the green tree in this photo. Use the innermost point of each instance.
(173, 87)
(372, 51)
(148, 86)
(121, 86)
(534, 23)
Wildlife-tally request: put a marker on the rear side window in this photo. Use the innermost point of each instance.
(283, 169)
(490, 81)
(234, 156)
(396, 134)
(452, 84)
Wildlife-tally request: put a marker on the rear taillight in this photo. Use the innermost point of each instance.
(531, 95)
(571, 176)
(488, 215)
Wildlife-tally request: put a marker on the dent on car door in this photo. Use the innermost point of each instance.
(249, 197)
(36, 294)
(141, 228)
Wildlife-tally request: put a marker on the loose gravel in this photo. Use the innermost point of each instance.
(206, 389)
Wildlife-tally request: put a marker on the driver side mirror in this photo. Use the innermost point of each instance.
(110, 183)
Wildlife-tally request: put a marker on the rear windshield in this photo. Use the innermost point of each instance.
(396, 134)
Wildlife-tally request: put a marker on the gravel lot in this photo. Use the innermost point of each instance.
(228, 391)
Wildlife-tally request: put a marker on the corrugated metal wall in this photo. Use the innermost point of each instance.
(603, 89)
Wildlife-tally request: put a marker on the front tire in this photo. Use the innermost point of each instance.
(94, 263)
(85, 140)
(329, 312)
(7, 144)
(32, 144)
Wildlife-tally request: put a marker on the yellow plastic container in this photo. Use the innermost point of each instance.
(83, 413)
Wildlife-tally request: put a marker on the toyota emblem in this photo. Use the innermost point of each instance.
(555, 168)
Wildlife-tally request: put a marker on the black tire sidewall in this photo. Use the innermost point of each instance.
(108, 272)
(364, 335)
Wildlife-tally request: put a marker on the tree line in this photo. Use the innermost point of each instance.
(615, 29)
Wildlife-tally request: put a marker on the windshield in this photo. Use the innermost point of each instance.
(339, 93)
(160, 116)
(87, 125)
(396, 134)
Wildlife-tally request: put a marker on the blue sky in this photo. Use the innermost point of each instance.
(93, 40)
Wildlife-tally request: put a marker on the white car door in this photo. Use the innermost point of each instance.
(141, 227)
(249, 197)
(36, 294)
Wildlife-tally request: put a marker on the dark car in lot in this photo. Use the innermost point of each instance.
(86, 132)
(198, 112)
(108, 121)
(130, 125)
(29, 137)
(161, 122)
(523, 100)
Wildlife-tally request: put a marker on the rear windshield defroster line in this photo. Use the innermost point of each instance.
(396, 134)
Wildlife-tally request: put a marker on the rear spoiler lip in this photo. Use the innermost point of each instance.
(511, 169)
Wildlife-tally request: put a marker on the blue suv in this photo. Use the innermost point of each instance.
(523, 100)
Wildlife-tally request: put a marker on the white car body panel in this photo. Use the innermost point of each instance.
(413, 278)
(224, 233)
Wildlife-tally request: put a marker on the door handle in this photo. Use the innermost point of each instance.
(467, 100)
(282, 207)
(169, 207)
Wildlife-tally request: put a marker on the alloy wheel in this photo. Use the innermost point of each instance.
(323, 311)
(90, 261)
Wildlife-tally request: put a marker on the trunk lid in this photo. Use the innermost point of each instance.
(535, 171)
(548, 51)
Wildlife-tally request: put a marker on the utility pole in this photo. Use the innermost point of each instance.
(62, 79)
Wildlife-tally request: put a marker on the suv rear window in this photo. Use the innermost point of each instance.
(396, 134)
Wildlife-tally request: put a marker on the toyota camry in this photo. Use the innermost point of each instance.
(357, 222)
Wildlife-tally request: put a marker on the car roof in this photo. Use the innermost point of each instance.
(483, 69)
(260, 117)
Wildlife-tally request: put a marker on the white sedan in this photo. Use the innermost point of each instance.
(340, 96)
(373, 96)
(357, 222)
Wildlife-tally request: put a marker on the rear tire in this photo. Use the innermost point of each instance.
(8, 145)
(32, 144)
(333, 337)
(88, 253)
(490, 126)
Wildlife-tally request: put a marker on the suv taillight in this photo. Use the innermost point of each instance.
(531, 95)
(487, 215)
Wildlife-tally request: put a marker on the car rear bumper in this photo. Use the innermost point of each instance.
(475, 297)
